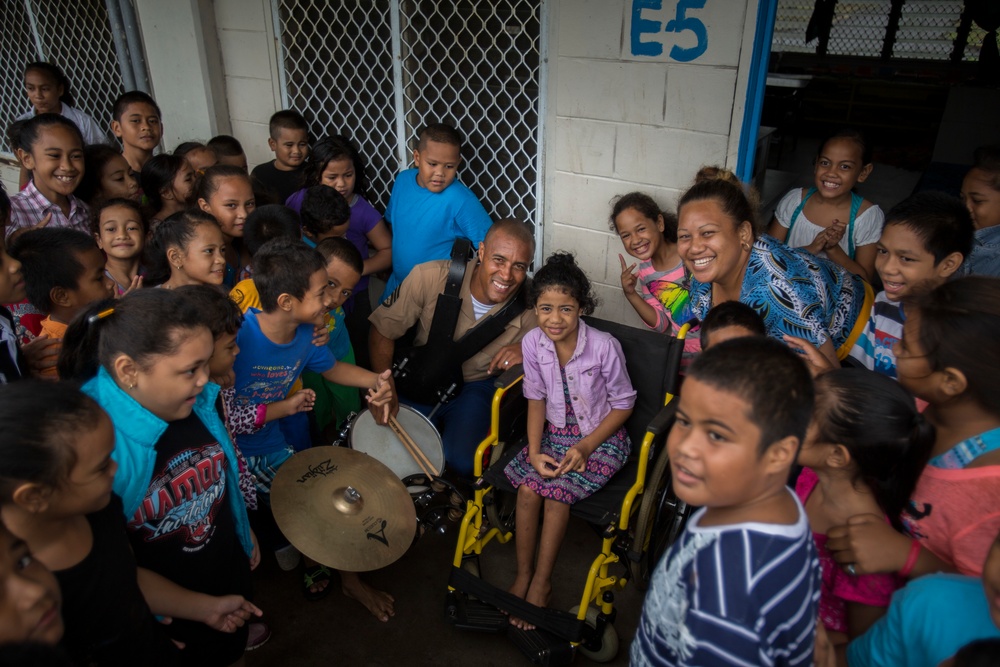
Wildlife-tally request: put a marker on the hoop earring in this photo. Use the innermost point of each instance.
(746, 246)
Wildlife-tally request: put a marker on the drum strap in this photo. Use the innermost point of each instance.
(449, 305)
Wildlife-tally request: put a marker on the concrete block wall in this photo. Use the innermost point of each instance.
(246, 39)
(631, 109)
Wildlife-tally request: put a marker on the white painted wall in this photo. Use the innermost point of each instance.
(185, 68)
(246, 38)
(620, 120)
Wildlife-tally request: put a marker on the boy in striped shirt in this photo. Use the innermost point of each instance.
(741, 585)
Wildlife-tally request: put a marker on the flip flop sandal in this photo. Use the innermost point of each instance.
(312, 576)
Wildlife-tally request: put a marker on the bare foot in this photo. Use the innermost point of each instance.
(538, 595)
(520, 589)
(379, 603)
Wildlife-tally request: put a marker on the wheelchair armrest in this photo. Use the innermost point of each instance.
(663, 419)
(509, 377)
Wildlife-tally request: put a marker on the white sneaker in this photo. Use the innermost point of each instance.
(288, 558)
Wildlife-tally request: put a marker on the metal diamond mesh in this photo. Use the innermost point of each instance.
(74, 34)
(18, 47)
(859, 28)
(927, 29)
(338, 73)
(472, 64)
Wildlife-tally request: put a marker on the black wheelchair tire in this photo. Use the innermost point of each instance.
(660, 520)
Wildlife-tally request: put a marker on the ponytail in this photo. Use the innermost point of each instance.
(722, 186)
(176, 231)
(141, 325)
(877, 421)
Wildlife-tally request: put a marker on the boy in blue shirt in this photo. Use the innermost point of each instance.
(428, 208)
(276, 346)
(741, 585)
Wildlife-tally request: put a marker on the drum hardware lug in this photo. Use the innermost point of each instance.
(435, 520)
(424, 499)
(345, 431)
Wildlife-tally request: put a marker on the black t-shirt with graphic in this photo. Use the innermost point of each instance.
(184, 530)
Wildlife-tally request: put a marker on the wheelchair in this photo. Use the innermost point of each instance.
(636, 514)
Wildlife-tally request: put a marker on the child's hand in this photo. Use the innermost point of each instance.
(544, 465)
(573, 461)
(41, 224)
(41, 354)
(135, 284)
(834, 234)
(228, 613)
(321, 335)
(629, 279)
(818, 243)
(869, 543)
(382, 399)
(815, 360)
(301, 401)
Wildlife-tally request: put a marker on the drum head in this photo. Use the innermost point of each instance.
(381, 443)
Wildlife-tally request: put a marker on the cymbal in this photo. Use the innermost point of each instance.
(343, 509)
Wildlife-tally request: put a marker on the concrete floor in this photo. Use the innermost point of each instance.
(338, 630)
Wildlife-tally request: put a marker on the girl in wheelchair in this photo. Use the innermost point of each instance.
(579, 396)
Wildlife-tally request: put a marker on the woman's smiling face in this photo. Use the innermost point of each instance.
(710, 242)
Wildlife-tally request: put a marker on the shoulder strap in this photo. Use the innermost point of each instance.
(449, 303)
(481, 335)
(856, 202)
(791, 222)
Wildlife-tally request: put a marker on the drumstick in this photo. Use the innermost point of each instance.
(411, 446)
(415, 451)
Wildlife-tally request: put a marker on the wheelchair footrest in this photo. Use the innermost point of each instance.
(470, 614)
(541, 647)
(560, 623)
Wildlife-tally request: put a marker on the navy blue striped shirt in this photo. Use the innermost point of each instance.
(743, 594)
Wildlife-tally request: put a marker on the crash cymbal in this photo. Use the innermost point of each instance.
(343, 508)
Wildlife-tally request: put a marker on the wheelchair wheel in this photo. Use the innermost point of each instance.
(608, 648)
(500, 507)
(660, 520)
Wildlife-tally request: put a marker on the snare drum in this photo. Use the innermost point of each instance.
(382, 444)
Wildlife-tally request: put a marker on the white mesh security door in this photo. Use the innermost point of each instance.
(77, 36)
(377, 71)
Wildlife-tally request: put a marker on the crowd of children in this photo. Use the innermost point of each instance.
(190, 325)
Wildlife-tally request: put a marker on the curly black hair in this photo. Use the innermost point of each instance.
(561, 272)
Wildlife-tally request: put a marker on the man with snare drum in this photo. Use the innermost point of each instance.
(446, 374)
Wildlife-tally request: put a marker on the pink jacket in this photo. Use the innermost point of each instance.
(596, 375)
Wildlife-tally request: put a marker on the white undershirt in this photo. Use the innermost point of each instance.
(479, 309)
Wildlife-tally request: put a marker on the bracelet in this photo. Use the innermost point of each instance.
(911, 559)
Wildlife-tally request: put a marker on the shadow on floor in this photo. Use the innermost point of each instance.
(338, 630)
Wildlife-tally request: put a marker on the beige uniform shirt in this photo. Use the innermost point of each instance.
(414, 303)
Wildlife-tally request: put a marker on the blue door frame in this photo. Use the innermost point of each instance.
(756, 82)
